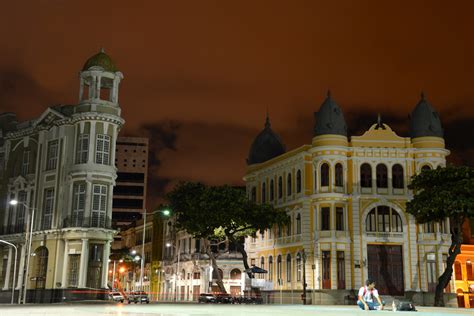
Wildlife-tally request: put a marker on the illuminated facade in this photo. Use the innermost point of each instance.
(463, 268)
(61, 165)
(346, 198)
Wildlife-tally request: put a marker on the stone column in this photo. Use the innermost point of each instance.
(88, 203)
(81, 88)
(92, 138)
(65, 264)
(9, 268)
(98, 78)
(21, 267)
(113, 144)
(84, 261)
(105, 264)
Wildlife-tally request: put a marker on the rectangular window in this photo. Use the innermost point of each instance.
(48, 202)
(196, 275)
(325, 218)
(428, 228)
(82, 149)
(78, 204)
(431, 271)
(53, 151)
(197, 245)
(25, 164)
(73, 270)
(339, 218)
(326, 256)
(21, 212)
(99, 205)
(341, 271)
(102, 151)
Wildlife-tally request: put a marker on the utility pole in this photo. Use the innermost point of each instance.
(303, 296)
(142, 263)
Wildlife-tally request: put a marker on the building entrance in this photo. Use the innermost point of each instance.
(385, 267)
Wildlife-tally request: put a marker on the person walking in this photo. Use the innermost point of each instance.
(368, 298)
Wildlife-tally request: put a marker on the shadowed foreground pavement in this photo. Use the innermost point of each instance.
(210, 310)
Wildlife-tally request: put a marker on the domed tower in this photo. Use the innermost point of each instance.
(267, 145)
(426, 133)
(99, 80)
(330, 124)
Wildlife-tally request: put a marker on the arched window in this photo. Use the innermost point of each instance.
(288, 228)
(288, 268)
(382, 181)
(457, 271)
(324, 175)
(365, 175)
(235, 274)
(279, 272)
(264, 192)
(288, 184)
(298, 267)
(339, 175)
(315, 180)
(469, 271)
(397, 176)
(298, 224)
(280, 187)
(298, 181)
(41, 255)
(270, 268)
(272, 190)
(383, 219)
(262, 262)
(253, 194)
(426, 168)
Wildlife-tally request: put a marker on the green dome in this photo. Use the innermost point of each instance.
(101, 59)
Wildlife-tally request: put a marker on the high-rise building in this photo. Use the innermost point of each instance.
(131, 160)
(59, 168)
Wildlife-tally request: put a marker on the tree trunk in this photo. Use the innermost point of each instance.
(241, 249)
(212, 258)
(454, 250)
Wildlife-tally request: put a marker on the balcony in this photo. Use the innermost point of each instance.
(87, 222)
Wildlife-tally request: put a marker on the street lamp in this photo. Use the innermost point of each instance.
(168, 245)
(29, 238)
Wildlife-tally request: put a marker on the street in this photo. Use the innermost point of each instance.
(206, 310)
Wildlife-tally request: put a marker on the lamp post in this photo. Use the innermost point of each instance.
(303, 296)
(14, 266)
(177, 271)
(29, 238)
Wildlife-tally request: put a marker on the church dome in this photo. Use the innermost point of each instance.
(330, 119)
(267, 145)
(424, 120)
(102, 60)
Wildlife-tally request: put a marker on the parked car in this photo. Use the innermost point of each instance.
(206, 298)
(116, 297)
(138, 297)
(224, 298)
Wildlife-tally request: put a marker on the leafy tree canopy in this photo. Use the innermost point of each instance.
(441, 193)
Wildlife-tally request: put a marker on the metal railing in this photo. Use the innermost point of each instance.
(87, 222)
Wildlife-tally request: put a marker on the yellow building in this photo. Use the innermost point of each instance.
(463, 268)
(346, 197)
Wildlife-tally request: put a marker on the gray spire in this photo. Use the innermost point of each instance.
(424, 120)
(329, 118)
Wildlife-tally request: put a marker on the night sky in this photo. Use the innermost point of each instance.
(200, 75)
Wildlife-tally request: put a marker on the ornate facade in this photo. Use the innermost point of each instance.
(346, 197)
(60, 166)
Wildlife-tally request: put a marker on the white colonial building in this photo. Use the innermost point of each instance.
(61, 167)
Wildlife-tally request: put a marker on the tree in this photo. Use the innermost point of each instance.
(439, 194)
(194, 212)
(221, 213)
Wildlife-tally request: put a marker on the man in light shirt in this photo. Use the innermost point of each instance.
(367, 296)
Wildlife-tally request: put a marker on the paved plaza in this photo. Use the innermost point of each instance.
(209, 310)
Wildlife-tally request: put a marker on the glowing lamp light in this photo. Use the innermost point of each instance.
(134, 252)
(122, 270)
(137, 258)
(110, 271)
(166, 212)
(13, 202)
(121, 260)
(168, 245)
